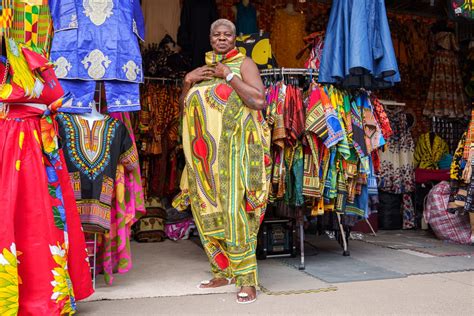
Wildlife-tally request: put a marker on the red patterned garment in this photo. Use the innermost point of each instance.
(43, 262)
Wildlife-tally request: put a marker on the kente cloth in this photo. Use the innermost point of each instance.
(396, 172)
(358, 50)
(128, 204)
(39, 275)
(226, 178)
(287, 33)
(92, 155)
(446, 97)
(31, 25)
(98, 41)
(428, 152)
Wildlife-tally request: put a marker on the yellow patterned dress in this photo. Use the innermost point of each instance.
(225, 181)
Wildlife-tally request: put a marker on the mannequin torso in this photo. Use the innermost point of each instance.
(93, 116)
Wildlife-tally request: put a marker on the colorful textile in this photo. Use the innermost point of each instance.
(114, 253)
(429, 150)
(39, 275)
(92, 156)
(98, 41)
(257, 47)
(225, 179)
(446, 97)
(397, 162)
(354, 60)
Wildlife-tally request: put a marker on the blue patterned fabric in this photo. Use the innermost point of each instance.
(358, 50)
(98, 41)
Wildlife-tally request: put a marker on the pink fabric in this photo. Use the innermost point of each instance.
(445, 225)
(114, 254)
(178, 231)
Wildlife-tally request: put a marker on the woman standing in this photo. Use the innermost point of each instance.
(226, 144)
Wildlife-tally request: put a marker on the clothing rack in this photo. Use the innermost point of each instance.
(289, 71)
(164, 80)
(343, 234)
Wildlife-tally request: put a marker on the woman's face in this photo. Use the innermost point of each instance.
(222, 39)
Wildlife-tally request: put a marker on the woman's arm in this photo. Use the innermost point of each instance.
(198, 74)
(250, 88)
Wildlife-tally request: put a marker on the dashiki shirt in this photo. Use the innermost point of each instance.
(226, 146)
(98, 41)
(92, 156)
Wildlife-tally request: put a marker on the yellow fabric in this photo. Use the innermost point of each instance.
(225, 180)
(428, 155)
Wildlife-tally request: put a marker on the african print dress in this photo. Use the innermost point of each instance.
(43, 262)
(225, 181)
(92, 156)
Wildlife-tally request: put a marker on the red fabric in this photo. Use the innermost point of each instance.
(445, 225)
(426, 175)
(222, 261)
(27, 219)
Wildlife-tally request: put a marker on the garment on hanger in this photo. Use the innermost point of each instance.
(246, 20)
(92, 155)
(446, 97)
(161, 17)
(429, 150)
(287, 35)
(128, 204)
(98, 41)
(358, 50)
(193, 33)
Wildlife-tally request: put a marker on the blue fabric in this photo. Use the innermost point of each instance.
(246, 22)
(358, 50)
(120, 96)
(97, 41)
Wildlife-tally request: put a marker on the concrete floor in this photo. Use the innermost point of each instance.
(434, 294)
(374, 280)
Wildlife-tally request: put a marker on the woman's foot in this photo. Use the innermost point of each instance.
(216, 282)
(247, 295)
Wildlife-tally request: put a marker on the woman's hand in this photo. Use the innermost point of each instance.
(221, 71)
(199, 74)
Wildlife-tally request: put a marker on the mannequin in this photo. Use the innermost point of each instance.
(93, 116)
(245, 16)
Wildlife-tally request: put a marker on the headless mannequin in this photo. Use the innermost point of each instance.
(93, 116)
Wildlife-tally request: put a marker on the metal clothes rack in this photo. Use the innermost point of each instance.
(343, 237)
(164, 79)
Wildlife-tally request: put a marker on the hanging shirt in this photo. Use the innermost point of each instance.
(98, 41)
(92, 156)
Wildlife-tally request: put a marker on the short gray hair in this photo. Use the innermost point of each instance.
(223, 22)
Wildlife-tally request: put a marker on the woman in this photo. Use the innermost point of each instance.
(225, 142)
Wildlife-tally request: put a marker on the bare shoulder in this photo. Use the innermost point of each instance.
(250, 72)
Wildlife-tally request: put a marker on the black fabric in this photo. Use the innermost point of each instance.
(193, 33)
(389, 211)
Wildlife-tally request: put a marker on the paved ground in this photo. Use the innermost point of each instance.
(388, 279)
(434, 294)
